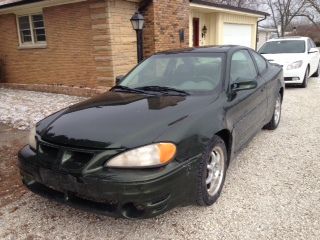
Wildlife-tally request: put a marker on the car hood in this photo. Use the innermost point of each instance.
(119, 120)
(285, 58)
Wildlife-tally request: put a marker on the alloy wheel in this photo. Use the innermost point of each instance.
(277, 110)
(215, 171)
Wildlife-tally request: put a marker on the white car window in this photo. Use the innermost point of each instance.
(283, 46)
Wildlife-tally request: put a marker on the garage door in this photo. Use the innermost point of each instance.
(237, 34)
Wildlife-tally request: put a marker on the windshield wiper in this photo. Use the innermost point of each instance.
(126, 89)
(163, 89)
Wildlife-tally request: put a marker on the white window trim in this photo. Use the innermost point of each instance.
(32, 44)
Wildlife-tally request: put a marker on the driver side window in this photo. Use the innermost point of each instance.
(242, 67)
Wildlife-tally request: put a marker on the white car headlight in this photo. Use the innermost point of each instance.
(144, 157)
(32, 138)
(295, 65)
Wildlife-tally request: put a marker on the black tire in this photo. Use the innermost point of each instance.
(304, 84)
(316, 74)
(275, 120)
(203, 197)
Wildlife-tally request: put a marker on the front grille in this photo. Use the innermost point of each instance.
(48, 156)
(76, 160)
(63, 158)
(49, 151)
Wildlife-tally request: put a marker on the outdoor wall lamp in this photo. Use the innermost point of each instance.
(137, 21)
(204, 31)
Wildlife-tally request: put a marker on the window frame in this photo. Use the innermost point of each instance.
(33, 43)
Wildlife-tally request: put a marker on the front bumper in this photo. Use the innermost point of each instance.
(152, 192)
(294, 76)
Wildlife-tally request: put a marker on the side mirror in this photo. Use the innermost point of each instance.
(243, 85)
(313, 50)
(118, 79)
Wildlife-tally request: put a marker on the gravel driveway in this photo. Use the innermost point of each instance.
(272, 191)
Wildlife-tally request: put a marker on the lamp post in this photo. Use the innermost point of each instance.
(137, 21)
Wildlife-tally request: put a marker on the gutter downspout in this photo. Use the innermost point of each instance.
(143, 5)
(257, 31)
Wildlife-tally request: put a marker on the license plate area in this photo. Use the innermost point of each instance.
(58, 181)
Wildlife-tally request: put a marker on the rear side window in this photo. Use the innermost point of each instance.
(261, 62)
(242, 67)
(311, 44)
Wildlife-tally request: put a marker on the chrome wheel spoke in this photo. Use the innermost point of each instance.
(215, 171)
(277, 110)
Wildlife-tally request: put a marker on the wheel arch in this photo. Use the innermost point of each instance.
(226, 136)
(281, 91)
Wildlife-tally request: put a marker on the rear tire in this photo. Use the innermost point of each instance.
(305, 80)
(211, 172)
(276, 117)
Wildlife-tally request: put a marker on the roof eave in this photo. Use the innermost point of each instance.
(33, 4)
(238, 10)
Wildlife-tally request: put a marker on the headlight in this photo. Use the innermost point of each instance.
(32, 138)
(144, 157)
(295, 65)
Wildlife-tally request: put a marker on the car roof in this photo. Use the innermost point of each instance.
(206, 49)
(289, 38)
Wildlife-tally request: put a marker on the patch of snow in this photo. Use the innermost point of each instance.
(23, 109)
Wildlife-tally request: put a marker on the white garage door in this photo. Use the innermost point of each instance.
(237, 34)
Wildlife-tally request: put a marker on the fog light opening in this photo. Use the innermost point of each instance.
(132, 210)
(27, 179)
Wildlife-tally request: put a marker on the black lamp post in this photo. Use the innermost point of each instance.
(137, 21)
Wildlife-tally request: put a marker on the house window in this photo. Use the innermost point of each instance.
(31, 29)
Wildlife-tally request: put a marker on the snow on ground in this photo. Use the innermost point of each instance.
(22, 109)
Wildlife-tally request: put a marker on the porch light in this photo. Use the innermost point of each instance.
(204, 31)
(137, 21)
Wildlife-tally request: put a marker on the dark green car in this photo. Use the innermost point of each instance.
(162, 137)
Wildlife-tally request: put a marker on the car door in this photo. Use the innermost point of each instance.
(246, 109)
(314, 57)
(270, 83)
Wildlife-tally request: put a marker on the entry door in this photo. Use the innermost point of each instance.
(196, 33)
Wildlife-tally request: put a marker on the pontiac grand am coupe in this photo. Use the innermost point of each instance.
(163, 136)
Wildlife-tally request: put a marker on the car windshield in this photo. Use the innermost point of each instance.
(180, 72)
(283, 46)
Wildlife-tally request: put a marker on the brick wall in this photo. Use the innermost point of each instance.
(123, 37)
(164, 19)
(67, 59)
(90, 43)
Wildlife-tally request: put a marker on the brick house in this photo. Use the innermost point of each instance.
(52, 45)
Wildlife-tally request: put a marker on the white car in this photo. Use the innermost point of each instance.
(298, 56)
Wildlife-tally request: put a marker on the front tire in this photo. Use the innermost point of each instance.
(211, 172)
(316, 74)
(275, 120)
(305, 80)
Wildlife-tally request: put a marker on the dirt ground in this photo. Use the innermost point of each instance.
(11, 140)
